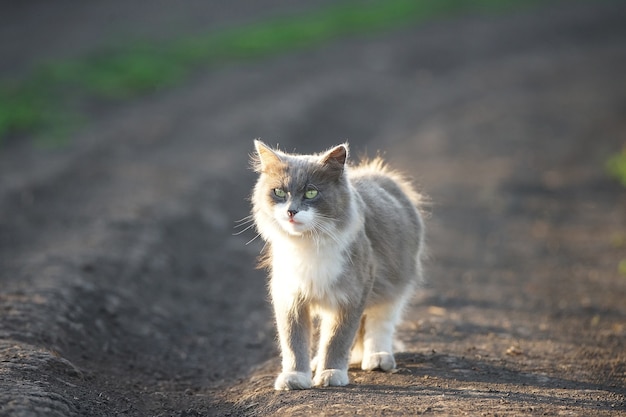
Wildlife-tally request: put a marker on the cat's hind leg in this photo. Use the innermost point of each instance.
(356, 354)
(379, 327)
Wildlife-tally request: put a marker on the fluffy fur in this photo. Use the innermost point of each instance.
(343, 244)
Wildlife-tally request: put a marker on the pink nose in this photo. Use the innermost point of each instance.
(292, 213)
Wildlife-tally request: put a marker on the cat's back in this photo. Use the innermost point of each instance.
(378, 186)
(393, 226)
(391, 203)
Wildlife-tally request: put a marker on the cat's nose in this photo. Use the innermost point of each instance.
(292, 213)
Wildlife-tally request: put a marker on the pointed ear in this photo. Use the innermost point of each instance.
(334, 160)
(266, 158)
(336, 157)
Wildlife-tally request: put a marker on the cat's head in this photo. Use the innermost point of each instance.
(300, 194)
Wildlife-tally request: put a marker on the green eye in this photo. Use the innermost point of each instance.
(279, 192)
(310, 193)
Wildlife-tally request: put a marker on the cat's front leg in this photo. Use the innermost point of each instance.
(337, 331)
(294, 328)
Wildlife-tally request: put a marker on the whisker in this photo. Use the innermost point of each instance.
(242, 224)
(333, 235)
(245, 219)
(321, 227)
(330, 232)
(316, 236)
(253, 239)
(243, 230)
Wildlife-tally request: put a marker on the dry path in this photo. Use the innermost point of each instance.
(125, 293)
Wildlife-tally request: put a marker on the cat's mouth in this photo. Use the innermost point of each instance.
(294, 223)
(294, 227)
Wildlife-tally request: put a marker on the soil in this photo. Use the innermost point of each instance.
(125, 293)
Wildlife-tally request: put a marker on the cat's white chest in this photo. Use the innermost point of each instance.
(307, 271)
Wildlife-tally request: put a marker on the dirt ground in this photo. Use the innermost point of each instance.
(125, 293)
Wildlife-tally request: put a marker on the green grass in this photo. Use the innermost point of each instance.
(47, 103)
(616, 166)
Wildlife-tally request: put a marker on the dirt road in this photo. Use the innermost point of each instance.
(125, 293)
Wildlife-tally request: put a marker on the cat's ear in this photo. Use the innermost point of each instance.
(336, 157)
(334, 160)
(266, 158)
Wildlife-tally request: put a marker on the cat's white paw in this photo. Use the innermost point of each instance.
(379, 360)
(332, 378)
(287, 381)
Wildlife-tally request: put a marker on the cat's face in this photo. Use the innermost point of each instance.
(300, 194)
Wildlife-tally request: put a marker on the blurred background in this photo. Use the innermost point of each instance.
(125, 134)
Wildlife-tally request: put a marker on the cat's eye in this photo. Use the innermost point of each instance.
(311, 193)
(280, 193)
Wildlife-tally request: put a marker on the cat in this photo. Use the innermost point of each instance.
(343, 248)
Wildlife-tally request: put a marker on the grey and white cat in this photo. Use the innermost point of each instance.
(343, 245)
